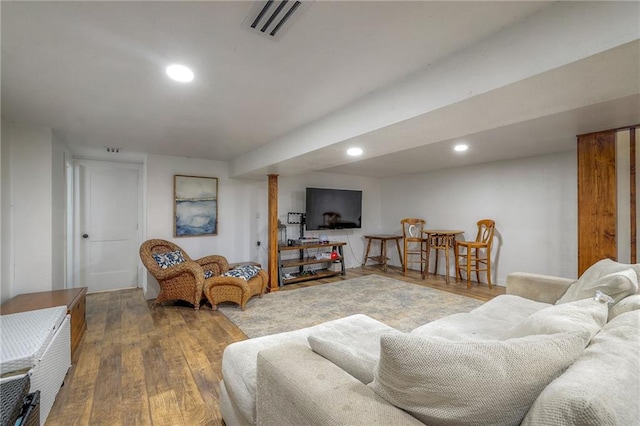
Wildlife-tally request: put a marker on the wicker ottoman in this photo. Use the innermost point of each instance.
(231, 289)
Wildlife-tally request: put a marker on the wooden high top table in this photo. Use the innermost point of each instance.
(440, 239)
(382, 258)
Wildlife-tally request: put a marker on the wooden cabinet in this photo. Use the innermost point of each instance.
(73, 298)
(300, 255)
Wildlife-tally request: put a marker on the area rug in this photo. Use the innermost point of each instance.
(401, 305)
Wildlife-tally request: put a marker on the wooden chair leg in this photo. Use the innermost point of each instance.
(406, 259)
(456, 253)
(489, 268)
(427, 259)
(469, 267)
(477, 263)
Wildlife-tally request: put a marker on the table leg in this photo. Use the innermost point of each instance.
(446, 255)
(438, 245)
(399, 253)
(383, 254)
(366, 254)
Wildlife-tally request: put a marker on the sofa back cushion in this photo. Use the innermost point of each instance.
(484, 381)
(617, 284)
(470, 382)
(603, 386)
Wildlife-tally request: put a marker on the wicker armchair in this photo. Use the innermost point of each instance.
(184, 281)
(220, 289)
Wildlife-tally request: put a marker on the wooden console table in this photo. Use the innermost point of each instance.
(73, 298)
(382, 259)
(301, 260)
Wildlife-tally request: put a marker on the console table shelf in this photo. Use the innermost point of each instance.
(307, 261)
(301, 261)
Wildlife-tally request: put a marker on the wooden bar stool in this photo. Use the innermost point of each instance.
(471, 253)
(415, 245)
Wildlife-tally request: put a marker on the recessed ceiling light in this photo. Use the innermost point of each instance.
(180, 73)
(354, 152)
(460, 148)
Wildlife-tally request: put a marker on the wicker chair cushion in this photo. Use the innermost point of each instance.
(168, 259)
(208, 274)
(245, 272)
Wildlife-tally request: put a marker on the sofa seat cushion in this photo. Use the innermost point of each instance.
(629, 303)
(587, 315)
(453, 381)
(487, 321)
(239, 359)
(602, 387)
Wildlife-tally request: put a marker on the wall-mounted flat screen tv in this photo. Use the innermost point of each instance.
(333, 209)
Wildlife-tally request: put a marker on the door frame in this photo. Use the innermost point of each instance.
(77, 232)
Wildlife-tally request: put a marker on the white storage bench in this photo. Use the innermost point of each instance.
(37, 343)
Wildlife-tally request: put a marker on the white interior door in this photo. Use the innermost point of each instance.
(109, 212)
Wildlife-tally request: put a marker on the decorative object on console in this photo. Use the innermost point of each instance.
(182, 280)
(195, 206)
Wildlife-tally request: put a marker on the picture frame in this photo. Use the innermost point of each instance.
(195, 206)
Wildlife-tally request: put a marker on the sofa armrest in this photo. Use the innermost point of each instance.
(541, 288)
(297, 386)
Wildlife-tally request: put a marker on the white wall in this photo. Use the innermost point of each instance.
(532, 200)
(6, 263)
(27, 221)
(239, 205)
(291, 198)
(59, 211)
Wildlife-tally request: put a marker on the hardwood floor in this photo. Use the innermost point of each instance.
(138, 366)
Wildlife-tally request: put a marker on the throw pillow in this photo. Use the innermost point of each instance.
(245, 272)
(617, 285)
(443, 382)
(208, 274)
(629, 303)
(602, 387)
(360, 364)
(587, 315)
(168, 259)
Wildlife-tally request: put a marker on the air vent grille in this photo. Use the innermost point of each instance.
(272, 18)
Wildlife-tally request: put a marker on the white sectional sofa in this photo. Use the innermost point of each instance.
(546, 353)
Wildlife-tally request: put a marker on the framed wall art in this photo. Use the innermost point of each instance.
(195, 206)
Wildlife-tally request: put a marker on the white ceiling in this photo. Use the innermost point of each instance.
(94, 73)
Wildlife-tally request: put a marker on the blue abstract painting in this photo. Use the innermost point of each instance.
(196, 206)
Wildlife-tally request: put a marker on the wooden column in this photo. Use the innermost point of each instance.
(273, 232)
(597, 200)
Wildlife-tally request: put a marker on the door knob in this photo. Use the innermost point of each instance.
(85, 235)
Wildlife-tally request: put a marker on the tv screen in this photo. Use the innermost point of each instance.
(333, 209)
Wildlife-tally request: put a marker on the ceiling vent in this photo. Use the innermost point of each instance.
(273, 18)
